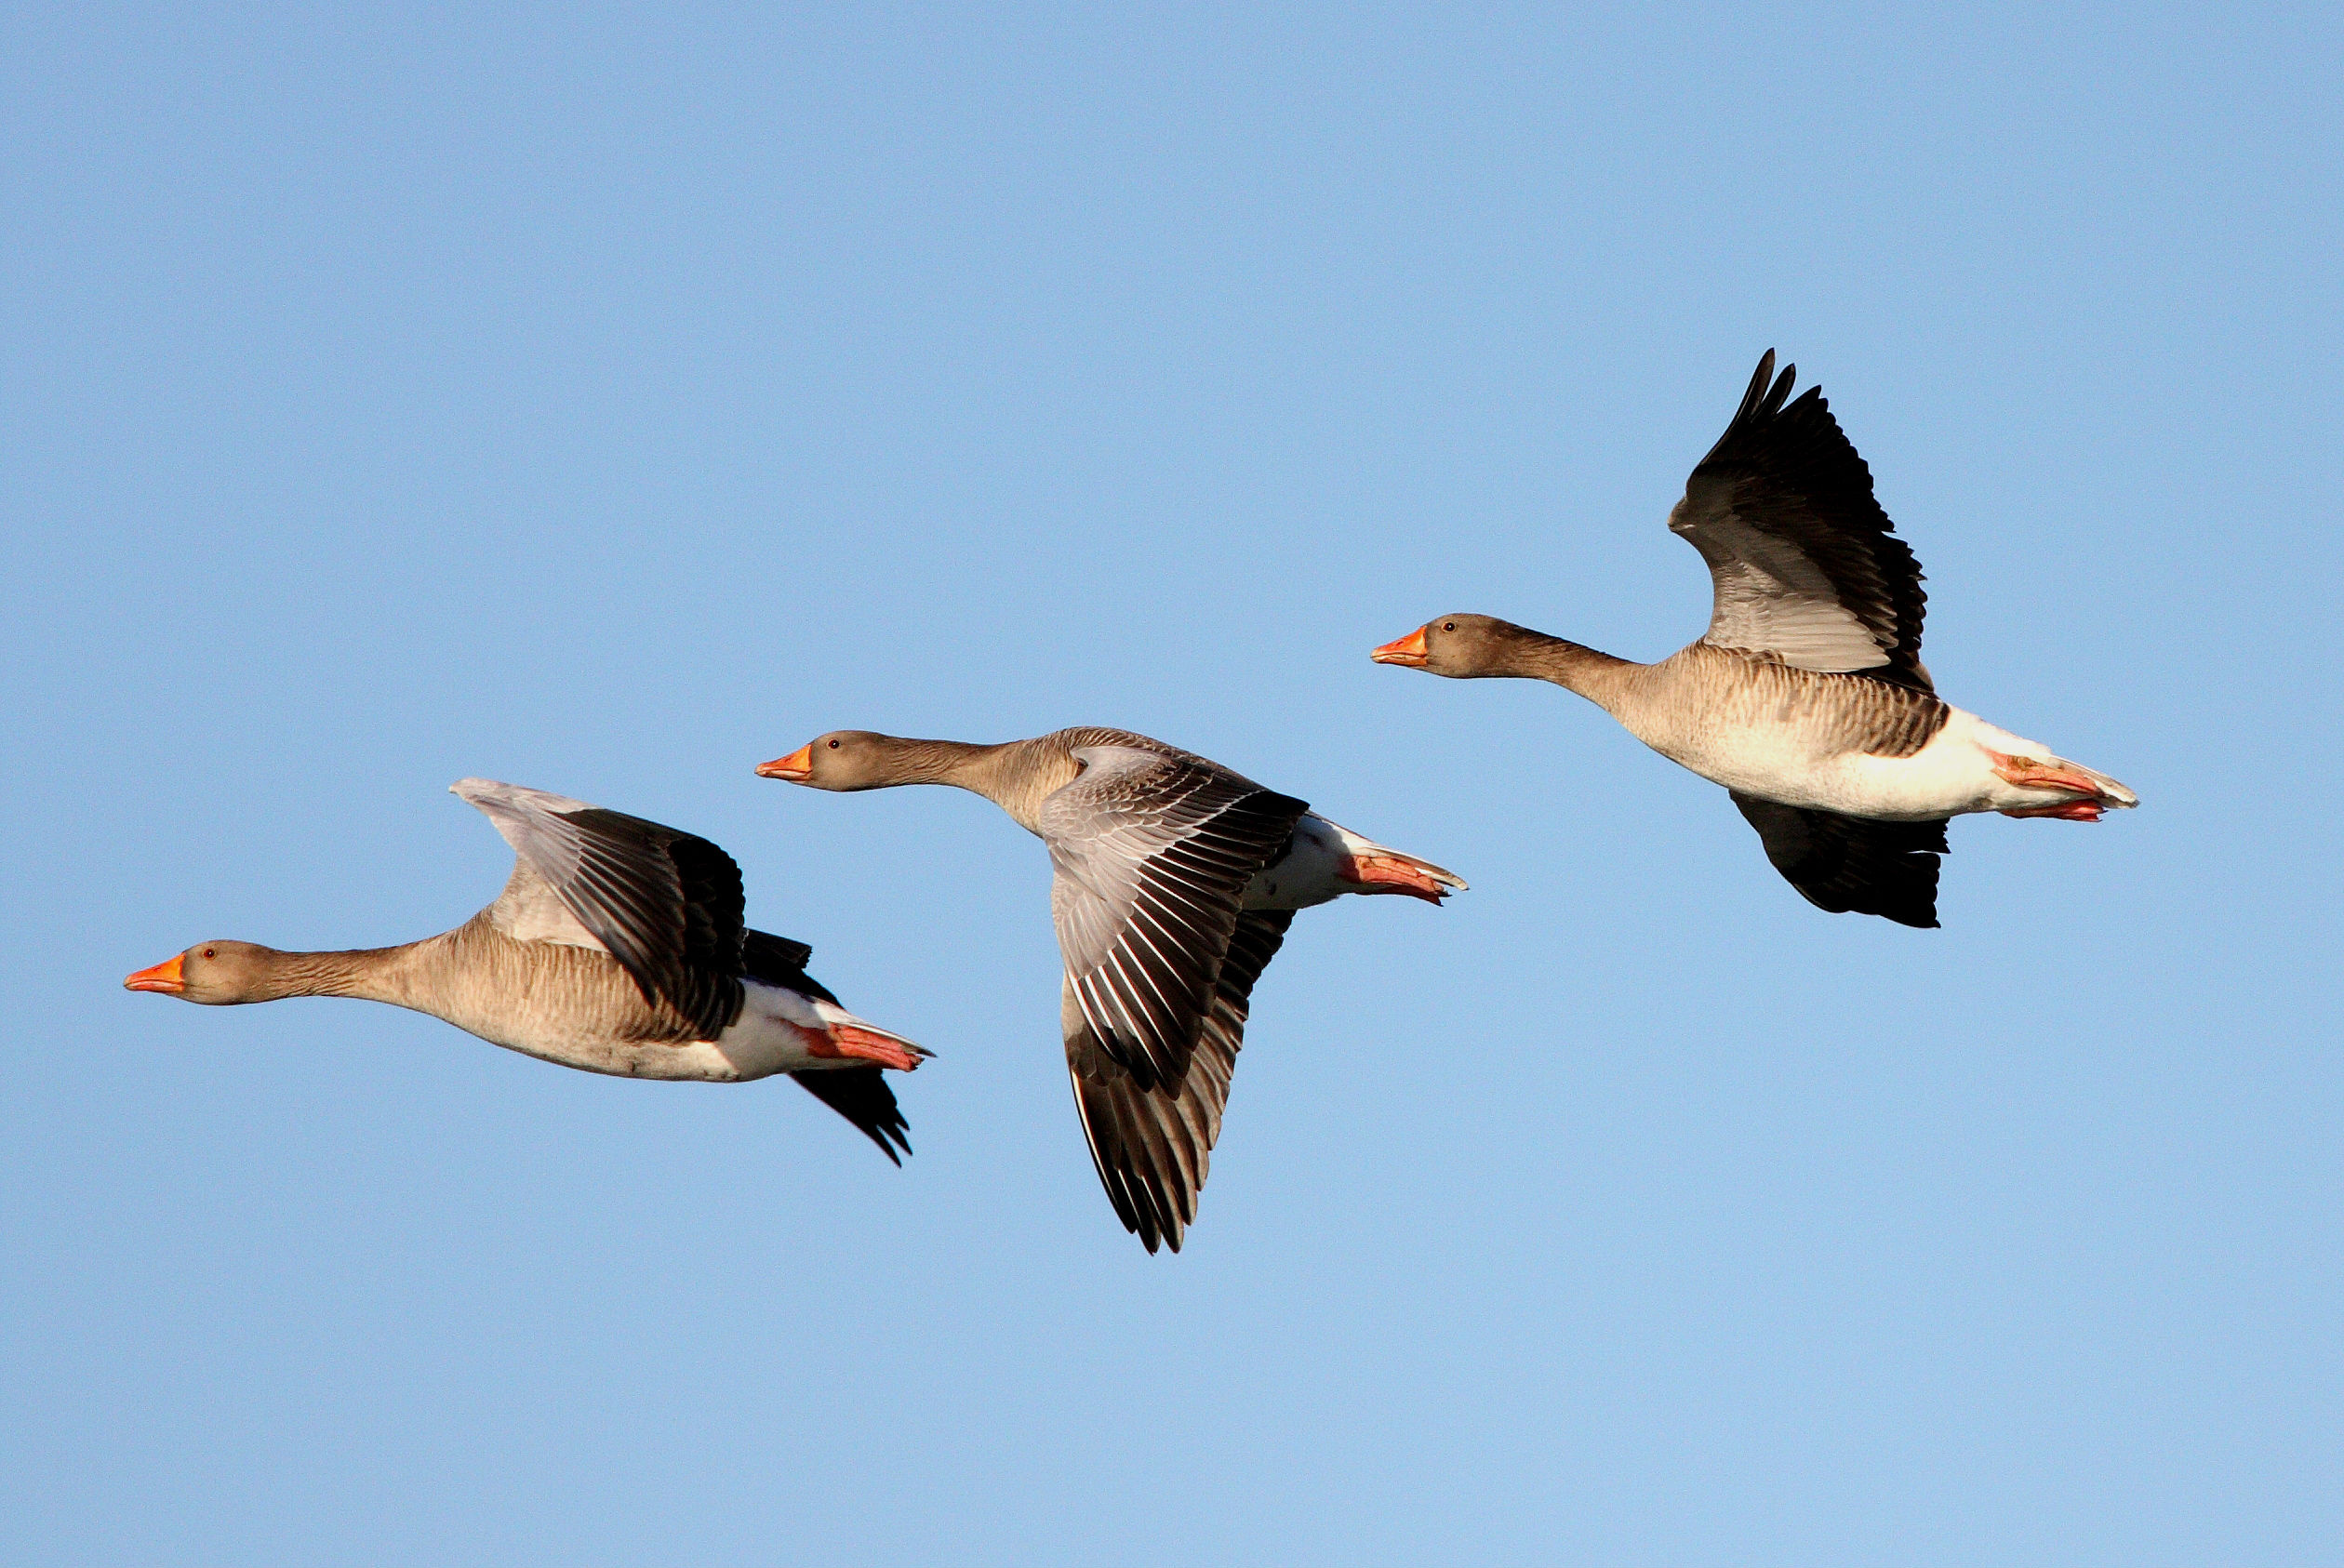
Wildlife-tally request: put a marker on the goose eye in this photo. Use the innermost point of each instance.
(833, 745)
(211, 952)
(1448, 626)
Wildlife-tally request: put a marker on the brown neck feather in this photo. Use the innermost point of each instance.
(371, 974)
(1535, 656)
(1014, 774)
(930, 761)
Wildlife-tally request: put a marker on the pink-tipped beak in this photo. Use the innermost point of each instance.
(797, 767)
(164, 977)
(1407, 652)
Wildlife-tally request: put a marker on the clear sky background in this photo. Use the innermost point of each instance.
(608, 400)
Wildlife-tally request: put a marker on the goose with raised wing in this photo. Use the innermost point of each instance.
(1175, 881)
(618, 947)
(1806, 697)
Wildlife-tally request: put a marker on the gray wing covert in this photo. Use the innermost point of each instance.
(1805, 563)
(667, 904)
(1153, 853)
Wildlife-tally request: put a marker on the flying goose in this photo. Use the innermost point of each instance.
(1175, 881)
(616, 946)
(1806, 697)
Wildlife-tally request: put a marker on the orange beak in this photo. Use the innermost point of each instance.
(164, 977)
(797, 767)
(1408, 651)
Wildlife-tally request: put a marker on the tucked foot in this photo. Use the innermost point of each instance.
(2066, 811)
(888, 1050)
(2094, 792)
(2029, 773)
(1392, 874)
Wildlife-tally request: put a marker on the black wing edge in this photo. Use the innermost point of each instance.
(862, 1096)
(778, 961)
(1843, 864)
(698, 974)
(1151, 1147)
(1763, 400)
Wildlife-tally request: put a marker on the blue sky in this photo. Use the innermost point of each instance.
(610, 401)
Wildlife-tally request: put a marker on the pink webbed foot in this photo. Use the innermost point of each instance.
(845, 1040)
(2066, 811)
(1399, 876)
(2028, 773)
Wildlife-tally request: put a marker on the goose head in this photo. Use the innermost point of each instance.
(846, 759)
(1460, 646)
(216, 974)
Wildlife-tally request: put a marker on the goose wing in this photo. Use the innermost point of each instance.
(1151, 1147)
(1806, 566)
(860, 1094)
(1151, 853)
(666, 904)
(1840, 863)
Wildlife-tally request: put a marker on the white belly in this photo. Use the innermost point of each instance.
(1949, 776)
(773, 1034)
(1311, 873)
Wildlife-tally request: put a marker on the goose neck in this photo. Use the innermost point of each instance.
(368, 974)
(1598, 676)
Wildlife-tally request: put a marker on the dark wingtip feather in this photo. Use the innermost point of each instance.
(1759, 381)
(1853, 865)
(1781, 389)
(862, 1096)
(1152, 1149)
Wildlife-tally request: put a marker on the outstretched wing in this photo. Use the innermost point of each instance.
(1153, 853)
(1806, 566)
(666, 904)
(1843, 863)
(860, 1094)
(1151, 1147)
